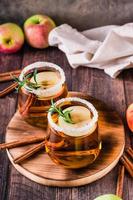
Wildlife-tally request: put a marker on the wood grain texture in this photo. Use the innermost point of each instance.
(128, 88)
(114, 92)
(38, 168)
(7, 109)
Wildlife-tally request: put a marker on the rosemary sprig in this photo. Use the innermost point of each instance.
(64, 114)
(34, 75)
(27, 81)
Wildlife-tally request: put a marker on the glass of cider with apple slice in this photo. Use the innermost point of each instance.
(73, 139)
(39, 83)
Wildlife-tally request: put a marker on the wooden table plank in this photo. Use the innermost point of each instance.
(7, 109)
(111, 91)
(128, 87)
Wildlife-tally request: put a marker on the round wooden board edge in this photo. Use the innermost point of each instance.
(58, 183)
(72, 183)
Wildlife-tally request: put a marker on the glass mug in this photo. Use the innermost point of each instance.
(33, 103)
(77, 144)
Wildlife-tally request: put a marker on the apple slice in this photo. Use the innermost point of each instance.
(46, 79)
(129, 116)
(108, 197)
(81, 116)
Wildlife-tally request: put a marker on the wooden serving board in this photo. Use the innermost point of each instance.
(41, 169)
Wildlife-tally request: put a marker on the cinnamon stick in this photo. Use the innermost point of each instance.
(128, 164)
(26, 140)
(29, 153)
(25, 108)
(129, 150)
(120, 181)
(7, 76)
(8, 89)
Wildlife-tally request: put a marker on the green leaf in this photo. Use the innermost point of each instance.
(28, 76)
(27, 81)
(34, 74)
(65, 115)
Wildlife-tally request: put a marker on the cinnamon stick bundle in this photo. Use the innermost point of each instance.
(129, 151)
(22, 142)
(128, 164)
(25, 108)
(8, 76)
(29, 153)
(9, 89)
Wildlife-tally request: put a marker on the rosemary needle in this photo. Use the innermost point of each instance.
(34, 74)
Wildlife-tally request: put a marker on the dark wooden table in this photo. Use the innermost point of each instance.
(118, 93)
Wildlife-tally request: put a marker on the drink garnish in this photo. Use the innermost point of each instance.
(34, 75)
(26, 81)
(64, 114)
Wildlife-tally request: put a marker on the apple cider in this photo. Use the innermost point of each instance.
(73, 143)
(37, 91)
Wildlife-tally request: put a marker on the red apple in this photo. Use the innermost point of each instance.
(37, 29)
(11, 38)
(129, 115)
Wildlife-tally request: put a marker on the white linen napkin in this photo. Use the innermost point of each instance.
(109, 47)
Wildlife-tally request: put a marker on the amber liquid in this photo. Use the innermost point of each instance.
(34, 109)
(73, 152)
